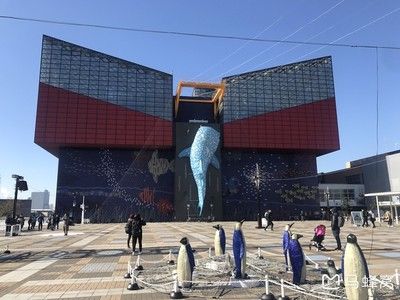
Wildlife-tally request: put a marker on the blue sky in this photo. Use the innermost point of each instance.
(202, 59)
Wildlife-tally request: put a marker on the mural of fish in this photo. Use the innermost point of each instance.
(159, 166)
(201, 154)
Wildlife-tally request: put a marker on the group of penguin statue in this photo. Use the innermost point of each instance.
(354, 265)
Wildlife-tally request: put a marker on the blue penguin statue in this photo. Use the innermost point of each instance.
(185, 264)
(285, 243)
(239, 251)
(219, 240)
(355, 269)
(297, 259)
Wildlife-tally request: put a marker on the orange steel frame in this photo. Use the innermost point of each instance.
(216, 100)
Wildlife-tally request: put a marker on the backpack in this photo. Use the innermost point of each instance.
(128, 227)
(341, 221)
(136, 228)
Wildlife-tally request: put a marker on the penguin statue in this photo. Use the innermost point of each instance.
(239, 251)
(219, 240)
(331, 269)
(185, 264)
(285, 243)
(297, 259)
(355, 269)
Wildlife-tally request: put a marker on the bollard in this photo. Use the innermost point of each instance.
(316, 265)
(128, 274)
(176, 292)
(209, 252)
(397, 277)
(133, 286)
(138, 266)
(170, 260)
(259, 253)
(282, 296)
(267, 295)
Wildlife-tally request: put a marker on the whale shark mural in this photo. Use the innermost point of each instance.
(201, 155)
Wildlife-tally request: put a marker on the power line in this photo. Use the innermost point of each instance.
(277, 43)
(203, 35)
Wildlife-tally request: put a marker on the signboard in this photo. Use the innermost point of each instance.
(357, 218)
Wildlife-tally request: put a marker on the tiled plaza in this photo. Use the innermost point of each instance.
(91, 261)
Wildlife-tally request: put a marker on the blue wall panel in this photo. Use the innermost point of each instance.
(116, 183)
(288, 184)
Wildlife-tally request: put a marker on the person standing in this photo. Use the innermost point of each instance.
(66, 224)
(40, 222)
(302, 215)
(336, 228)
(137, 232)
(128, 229)
(57, 220)
(268, 217)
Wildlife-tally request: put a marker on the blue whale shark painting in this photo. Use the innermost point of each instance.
(201, 154)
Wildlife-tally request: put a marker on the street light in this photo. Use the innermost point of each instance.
(257, 185)
(21, 185)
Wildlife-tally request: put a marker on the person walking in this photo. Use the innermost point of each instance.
(128, 229)
(365, 218)
(137, 232)
(268, 217)
(335, 226)
(66, 224)
(372, 218)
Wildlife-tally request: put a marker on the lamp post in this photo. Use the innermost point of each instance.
(327, 201)
(257, 186)
(21, 185)
(188, 208)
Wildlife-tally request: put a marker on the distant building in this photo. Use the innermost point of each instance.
(40, 200)
(375, 174)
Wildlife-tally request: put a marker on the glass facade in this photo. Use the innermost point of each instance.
(89, 99)
(100, 76)
(269, 90)
(287, 107)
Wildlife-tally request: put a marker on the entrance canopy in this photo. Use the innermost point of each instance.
(391, 203)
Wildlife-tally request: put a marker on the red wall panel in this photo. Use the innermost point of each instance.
(310, 127)
(68, 119)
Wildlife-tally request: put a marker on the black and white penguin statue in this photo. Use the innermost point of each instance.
(355, 269)
(185, 264)
(219, 240)
(297, 259)
(239, 251)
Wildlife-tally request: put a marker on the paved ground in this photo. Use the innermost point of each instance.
(90, 262)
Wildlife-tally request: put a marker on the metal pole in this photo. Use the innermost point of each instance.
(377, 206)
(15, 197)
(83, 210)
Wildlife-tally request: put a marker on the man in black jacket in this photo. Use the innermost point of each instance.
(336, 228)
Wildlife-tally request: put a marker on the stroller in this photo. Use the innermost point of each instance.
(319, 236)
